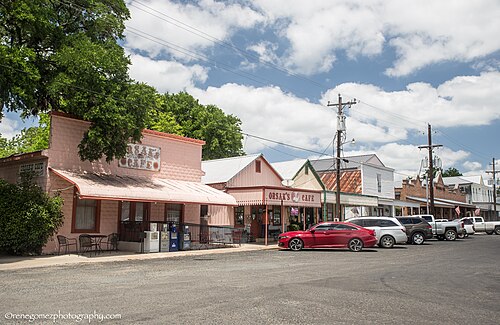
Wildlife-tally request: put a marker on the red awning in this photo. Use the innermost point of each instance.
(128, 188)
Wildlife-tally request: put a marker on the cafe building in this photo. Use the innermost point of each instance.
(267, 203)
(158, 182)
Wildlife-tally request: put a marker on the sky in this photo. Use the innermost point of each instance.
(276, 64)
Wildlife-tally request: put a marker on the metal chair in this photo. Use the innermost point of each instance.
(65, 242)
(87, 245)
(111, 242)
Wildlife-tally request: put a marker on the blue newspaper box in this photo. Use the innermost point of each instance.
(173, 240)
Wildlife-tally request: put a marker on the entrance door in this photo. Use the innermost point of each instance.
(134, 220)
(257, 221)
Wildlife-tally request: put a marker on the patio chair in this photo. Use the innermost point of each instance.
(111, 242)
(65, 242)
(87, 244)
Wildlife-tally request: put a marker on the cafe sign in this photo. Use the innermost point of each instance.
(292, 198)
(139, 156)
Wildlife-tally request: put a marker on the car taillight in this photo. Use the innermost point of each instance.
(371, 232)
(429, 226)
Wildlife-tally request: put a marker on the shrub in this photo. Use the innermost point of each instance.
(294, 227)
(28, 217)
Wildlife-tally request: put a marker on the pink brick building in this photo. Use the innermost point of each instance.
(158, 180)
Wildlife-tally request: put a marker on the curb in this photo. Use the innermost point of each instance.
(15, 263)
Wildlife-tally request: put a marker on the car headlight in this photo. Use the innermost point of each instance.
(282, 237)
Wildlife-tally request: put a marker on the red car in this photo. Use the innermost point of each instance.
(329, 235)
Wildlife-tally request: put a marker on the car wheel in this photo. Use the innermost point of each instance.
(440, 237)
(417, 238)
(386, 241)
(462, 235)
(450, 234)
(489, 232)
(355, 245)
(296, 244)
(497, 230)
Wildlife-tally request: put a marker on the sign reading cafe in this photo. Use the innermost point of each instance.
(139, 156)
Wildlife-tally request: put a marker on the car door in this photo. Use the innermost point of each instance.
(320, 235)
(341, 234)
(479, 224)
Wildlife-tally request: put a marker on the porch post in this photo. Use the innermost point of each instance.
(265, 228)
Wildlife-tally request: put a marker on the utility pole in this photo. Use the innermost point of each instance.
(494, 189)
(340, 130)
(430, 175)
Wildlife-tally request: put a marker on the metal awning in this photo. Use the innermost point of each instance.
(352, 199)
(129, 188)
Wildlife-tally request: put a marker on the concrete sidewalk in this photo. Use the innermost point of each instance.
(21, 262)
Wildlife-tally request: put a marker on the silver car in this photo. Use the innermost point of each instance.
(388, 230)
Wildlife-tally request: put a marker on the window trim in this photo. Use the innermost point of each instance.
(236, 212)
(97, 224)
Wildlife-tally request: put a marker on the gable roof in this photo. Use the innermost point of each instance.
(460, 180)
(289, 169)
(350, 181)
(222, 170)
(353, 162)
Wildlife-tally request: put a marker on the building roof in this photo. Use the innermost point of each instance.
(222, 170)
(115, 187)
(460, 180)
(348, 162)
(350, 181)
(288, 169)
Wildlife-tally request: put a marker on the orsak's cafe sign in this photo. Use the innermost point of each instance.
(141, 157)
(292, 198)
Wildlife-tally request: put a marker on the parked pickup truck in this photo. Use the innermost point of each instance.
(488, 227)
(442, 230)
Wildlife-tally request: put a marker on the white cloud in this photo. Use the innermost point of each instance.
(420, 33)
(472, 166)
(9, 127)
(166, 76)
(461, 101)
(180, 28)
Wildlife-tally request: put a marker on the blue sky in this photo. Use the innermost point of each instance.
(276, 63)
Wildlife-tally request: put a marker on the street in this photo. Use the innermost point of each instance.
(438, 282)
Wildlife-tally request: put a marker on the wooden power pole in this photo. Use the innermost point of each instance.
(430, 175)
(340, 130)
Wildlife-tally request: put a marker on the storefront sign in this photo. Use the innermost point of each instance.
(141, 157)
(38, 169)
(297, 198)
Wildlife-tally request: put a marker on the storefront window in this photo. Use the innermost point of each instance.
(239, 218)
(276, 219)
(125, 211)
(86, 217)
(139, 211)
(173, 213)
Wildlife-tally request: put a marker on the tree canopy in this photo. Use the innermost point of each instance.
(182, 114)
(63, 55)
(452, 171)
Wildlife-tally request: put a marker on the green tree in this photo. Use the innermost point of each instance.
(63, 55)
(28, 217)
(182, 114)
(30, 139)
(452, 171)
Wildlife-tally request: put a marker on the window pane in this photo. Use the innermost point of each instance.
(139, 211)
(125, 214)
(277, 216)
(239, 215)
(85, 214)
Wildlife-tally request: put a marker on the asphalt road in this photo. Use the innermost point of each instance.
(436, 283)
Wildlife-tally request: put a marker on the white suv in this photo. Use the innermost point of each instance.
(388, 230)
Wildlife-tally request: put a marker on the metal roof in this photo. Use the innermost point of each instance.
(222, 170)
(128, 188)
(288, 169)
